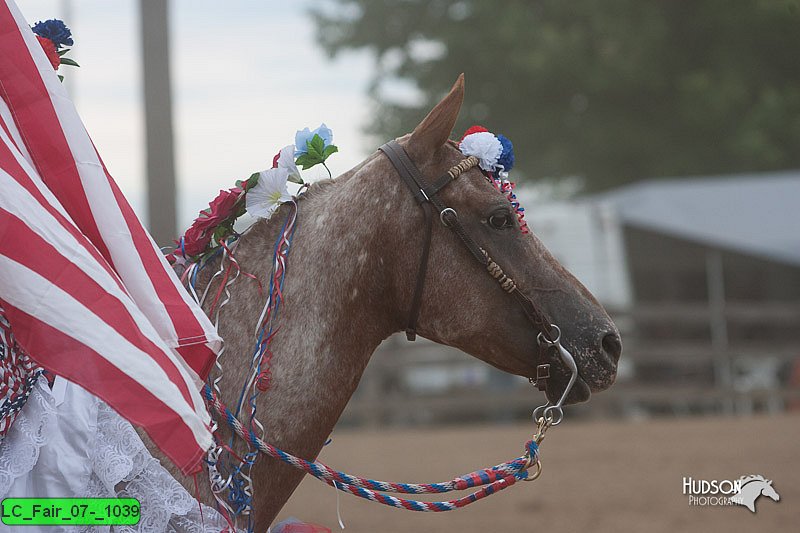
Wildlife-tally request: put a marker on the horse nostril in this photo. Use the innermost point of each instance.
(612, 346)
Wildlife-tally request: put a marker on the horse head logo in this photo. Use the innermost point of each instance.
(752, 487)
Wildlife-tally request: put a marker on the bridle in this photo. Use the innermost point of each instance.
(426, 195)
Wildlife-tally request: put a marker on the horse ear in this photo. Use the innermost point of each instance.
(435, 129)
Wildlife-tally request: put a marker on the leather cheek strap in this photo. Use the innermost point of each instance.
(413, 179)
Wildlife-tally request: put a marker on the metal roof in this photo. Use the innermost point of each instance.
(757, 214)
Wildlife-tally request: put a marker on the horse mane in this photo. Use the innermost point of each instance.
(321, 187)
(271, 226)
(316, 188)
(753, 477)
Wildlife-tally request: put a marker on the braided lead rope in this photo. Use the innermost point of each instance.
(492, 479)
(416, 505)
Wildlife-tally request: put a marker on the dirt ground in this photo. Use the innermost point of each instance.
(598, 476)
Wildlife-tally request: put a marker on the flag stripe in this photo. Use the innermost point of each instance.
(27, 97)
(65, 274)
(89, 282)
(188, 329)
(28, 179)
(144, 273)
(33, 294)
(11, 131)
(77, 362)
(86, 290)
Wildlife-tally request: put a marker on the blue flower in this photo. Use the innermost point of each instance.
(55, 30)
(302, 137)
(507, 156)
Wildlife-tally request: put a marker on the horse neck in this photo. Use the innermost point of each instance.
(333, 312)
(753, 488)
(336, 309)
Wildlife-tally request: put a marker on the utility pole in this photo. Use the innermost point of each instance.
(158, 120)
(720, 343)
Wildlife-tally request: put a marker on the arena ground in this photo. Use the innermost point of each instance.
(598, 477)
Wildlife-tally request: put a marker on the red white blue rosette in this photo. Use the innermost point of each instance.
(495, 152)
(496, 156)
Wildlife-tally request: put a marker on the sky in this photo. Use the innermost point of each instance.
(245, 77)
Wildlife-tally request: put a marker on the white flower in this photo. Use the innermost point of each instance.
(483, 145)
(286, 160)
(269, 193)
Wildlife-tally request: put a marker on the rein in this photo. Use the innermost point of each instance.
(492, 479)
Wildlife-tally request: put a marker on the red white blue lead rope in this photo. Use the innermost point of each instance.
(491, 480)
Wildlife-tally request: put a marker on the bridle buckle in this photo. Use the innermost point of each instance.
(443, 212)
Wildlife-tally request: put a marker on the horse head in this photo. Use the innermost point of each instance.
(751, 487)
(769, 491)
(462, 306)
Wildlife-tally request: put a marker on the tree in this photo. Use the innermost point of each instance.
(610, 91)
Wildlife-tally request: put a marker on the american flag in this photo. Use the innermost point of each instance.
(87, 292)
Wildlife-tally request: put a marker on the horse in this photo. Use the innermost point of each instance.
(349, 285)
(752, 487)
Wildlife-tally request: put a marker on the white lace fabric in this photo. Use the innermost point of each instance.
(80, 447)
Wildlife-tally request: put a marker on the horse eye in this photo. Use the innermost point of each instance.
(500, 221)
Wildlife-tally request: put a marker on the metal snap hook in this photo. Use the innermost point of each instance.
(536, 416)
(447, 210)
(537, 471)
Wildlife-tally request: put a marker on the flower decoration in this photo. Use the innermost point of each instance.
(285, 159)
(50, 51)
(496, 155)
(304, 136)
(269, 192)
(483, 145)
(53, 35)
(214, 222)
(221, 207)
(260, 195)
(55, 30)
(314, 147)
(194, 241)
(473, 129)
(506, 159)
